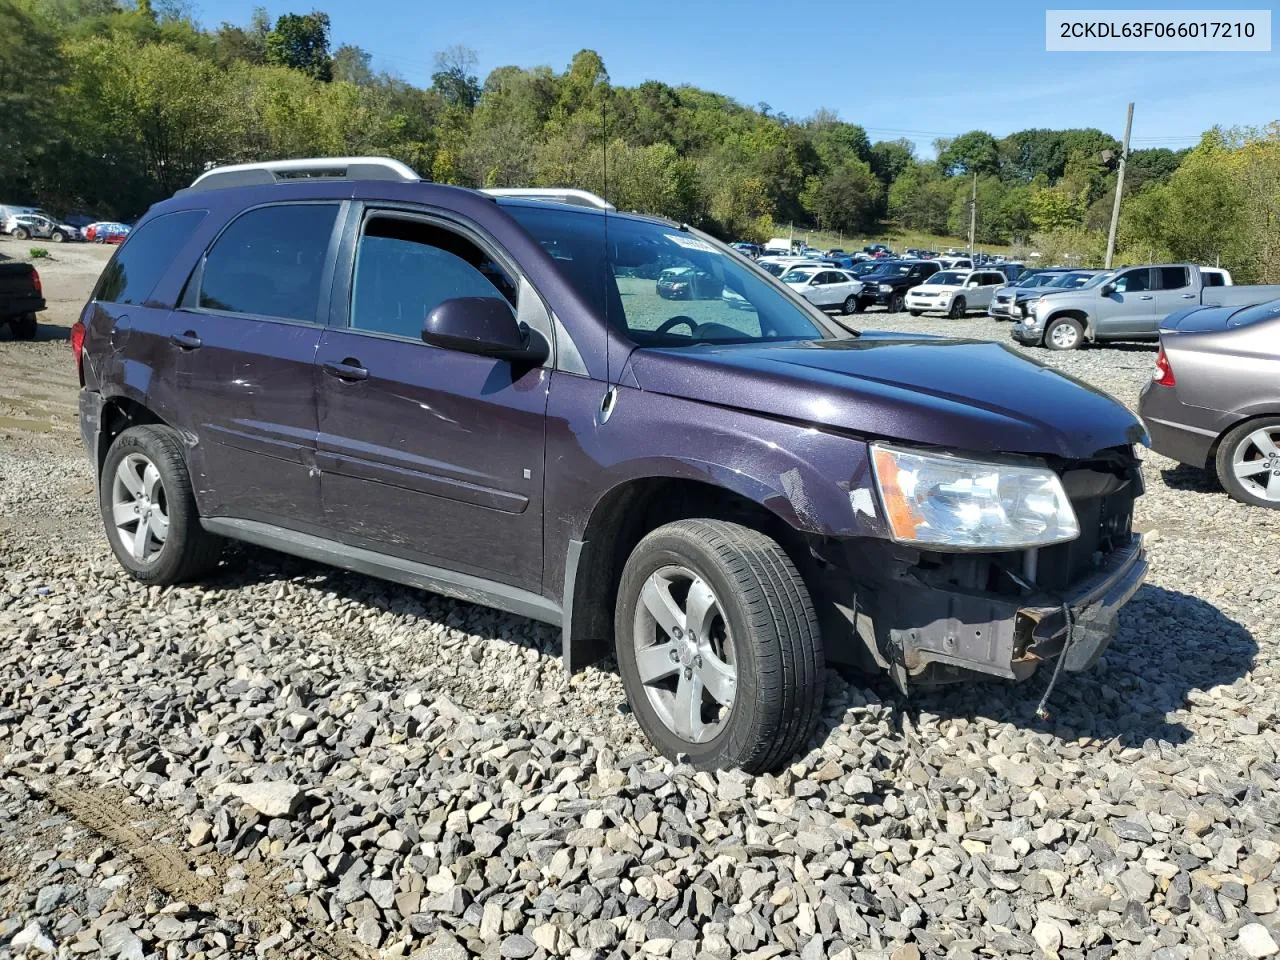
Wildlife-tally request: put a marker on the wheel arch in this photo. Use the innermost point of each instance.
(620, 519)
(1249, 415)
(120, 412)
(1070, 313)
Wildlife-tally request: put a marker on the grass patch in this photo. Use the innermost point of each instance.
(38, 253)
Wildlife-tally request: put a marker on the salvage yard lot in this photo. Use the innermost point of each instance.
(452, 787)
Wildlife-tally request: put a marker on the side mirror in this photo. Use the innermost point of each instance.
(483, 325)
(1108, 289)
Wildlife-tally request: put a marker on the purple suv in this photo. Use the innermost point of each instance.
(487, 397)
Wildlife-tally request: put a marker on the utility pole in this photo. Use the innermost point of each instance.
(1115, 207)
(973, 214)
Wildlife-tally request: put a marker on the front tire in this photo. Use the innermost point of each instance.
(718, 646)
(21, 234)
(1248, 463)
(1064, 334)
(957, 308)
(896, 303)
(149, 508)
(915, 313)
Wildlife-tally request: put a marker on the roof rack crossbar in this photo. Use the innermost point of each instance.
(582, 198)
(304, 168)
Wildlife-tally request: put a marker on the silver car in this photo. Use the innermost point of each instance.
(1214, 399)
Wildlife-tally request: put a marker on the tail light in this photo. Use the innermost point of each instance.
(35, 276)
(1164, 372)
(77, 347)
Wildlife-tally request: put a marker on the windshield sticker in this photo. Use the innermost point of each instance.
(690, 243)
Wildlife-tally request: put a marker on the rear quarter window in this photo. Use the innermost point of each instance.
(140, 263)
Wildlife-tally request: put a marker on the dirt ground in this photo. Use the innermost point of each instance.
(38, 382)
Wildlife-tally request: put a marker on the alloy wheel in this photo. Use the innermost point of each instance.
(1256, 463)
(139, 508)
(684, 654)
(1064, 336)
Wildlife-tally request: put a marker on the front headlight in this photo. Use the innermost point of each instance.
(952, 503)
(885, 288)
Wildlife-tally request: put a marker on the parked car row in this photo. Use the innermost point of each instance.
(33, 223)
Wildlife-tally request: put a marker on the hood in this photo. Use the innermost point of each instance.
(1198, 319)
(962, 394)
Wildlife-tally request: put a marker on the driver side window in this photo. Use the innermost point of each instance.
(1133, 281)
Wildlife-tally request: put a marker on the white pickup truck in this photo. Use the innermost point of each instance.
(1129, 303)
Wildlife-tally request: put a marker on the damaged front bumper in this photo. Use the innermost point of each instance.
(924, 631)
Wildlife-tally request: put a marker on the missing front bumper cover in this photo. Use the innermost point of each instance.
(933, 634)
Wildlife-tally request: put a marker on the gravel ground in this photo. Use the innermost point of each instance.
(293, 761)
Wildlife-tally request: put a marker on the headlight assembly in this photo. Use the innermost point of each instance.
(885, 288)
(953, 503)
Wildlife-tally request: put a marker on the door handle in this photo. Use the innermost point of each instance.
(349, 369)
(1188, 296)
(187, 341)
(1146, 296)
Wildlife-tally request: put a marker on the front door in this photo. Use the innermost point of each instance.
(245, 338)
(1130, 307)
(427, 453)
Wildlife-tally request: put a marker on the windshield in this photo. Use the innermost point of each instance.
(947, 278)
(797, 276)
(1037, 280)
(892, 270)
(777, 269)
(1070, 281)
(1089, 280)
(1256, 314)
(619, 271)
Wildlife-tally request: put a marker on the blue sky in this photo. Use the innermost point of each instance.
(941, 69)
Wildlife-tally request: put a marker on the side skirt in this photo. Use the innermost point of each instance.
(461, 586)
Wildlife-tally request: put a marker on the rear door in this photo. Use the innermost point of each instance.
(430, 454)
(988, 283)
(245, 338)
(1130, 307)
(1173, 291)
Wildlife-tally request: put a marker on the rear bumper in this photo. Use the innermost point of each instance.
(90, 423)
(20, 307)
(1177, 431)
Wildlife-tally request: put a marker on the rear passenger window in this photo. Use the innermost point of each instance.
(407, 268)
(1212, 279)
(268, 263)
(1172, 278)
(138, 265)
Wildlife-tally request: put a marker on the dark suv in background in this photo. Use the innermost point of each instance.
(889, 283)
(485, 396)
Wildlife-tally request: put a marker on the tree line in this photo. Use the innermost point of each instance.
(109, 107)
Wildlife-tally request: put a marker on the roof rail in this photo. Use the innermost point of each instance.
(581, 198)
(274, 171)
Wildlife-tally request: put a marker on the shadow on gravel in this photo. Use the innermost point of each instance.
(1184, 477)
(1169, 645)
(45, 331)
(1142, 347)
(245, 564)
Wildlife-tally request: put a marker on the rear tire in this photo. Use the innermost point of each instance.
(861, 306)
(174, 547)
(734, 605)
(58, 236)
(850, 305)
(1064, 334)
(957, 308)
(24, 327)
(1240, 462)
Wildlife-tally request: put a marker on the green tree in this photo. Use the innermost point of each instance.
(351, 65)
(453, 78)
(301, 42)
(847, 198)
(972, 152)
